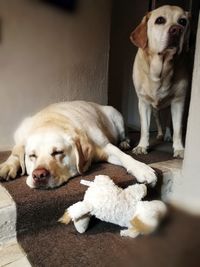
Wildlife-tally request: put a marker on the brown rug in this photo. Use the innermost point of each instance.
(175, 244)
(48, 243)
(37, 208)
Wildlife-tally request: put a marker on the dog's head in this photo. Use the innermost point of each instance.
(52, 157)
(163, 29)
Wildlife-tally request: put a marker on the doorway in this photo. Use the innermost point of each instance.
(126, 15)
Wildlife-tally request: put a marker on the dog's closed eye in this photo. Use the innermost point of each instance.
(32, 156)
(56, 153)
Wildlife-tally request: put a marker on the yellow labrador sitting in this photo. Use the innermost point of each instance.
(159, 73)
(64, 139)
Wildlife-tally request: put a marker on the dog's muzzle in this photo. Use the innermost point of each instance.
(40, 177)
(175, 33)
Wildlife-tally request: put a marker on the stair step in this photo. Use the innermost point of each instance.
(7, 216)
(101, 245)
(39, 208)
(12, 255)
(30, 209)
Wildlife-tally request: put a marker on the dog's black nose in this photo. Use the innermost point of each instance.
(175, 30)
(40, 174)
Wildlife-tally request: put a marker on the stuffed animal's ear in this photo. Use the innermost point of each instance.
(139, 36)
(83, 152)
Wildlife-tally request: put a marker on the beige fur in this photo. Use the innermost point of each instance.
(159, 73)
(62, 141)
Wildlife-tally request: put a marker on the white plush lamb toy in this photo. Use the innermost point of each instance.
(124, 207)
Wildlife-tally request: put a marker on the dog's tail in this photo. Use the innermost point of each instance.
(85, 182)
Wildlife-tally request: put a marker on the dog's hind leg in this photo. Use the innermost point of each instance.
(158, 124)
(117, 119)
(125, 144)
(124, 141)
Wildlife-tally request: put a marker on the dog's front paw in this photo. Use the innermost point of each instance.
(139, 150)
(179, 153)
(143, 173)
(8, 171)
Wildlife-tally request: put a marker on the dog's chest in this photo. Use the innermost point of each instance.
(158, 94)
(161, 96)
(159, 85)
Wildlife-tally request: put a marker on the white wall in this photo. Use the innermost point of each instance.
(49, 55)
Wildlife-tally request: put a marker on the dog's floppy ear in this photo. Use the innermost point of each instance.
(83, 152)
(19, 152)
(139, 36)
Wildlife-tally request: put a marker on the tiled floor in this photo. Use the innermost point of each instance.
(11, 254)
(7, 216)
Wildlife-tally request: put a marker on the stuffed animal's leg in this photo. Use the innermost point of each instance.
(81, 225)
(131, 232)
(79, 214)
(148, 215)
(78, 210)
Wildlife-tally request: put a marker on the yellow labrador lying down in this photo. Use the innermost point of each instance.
(63, 140)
